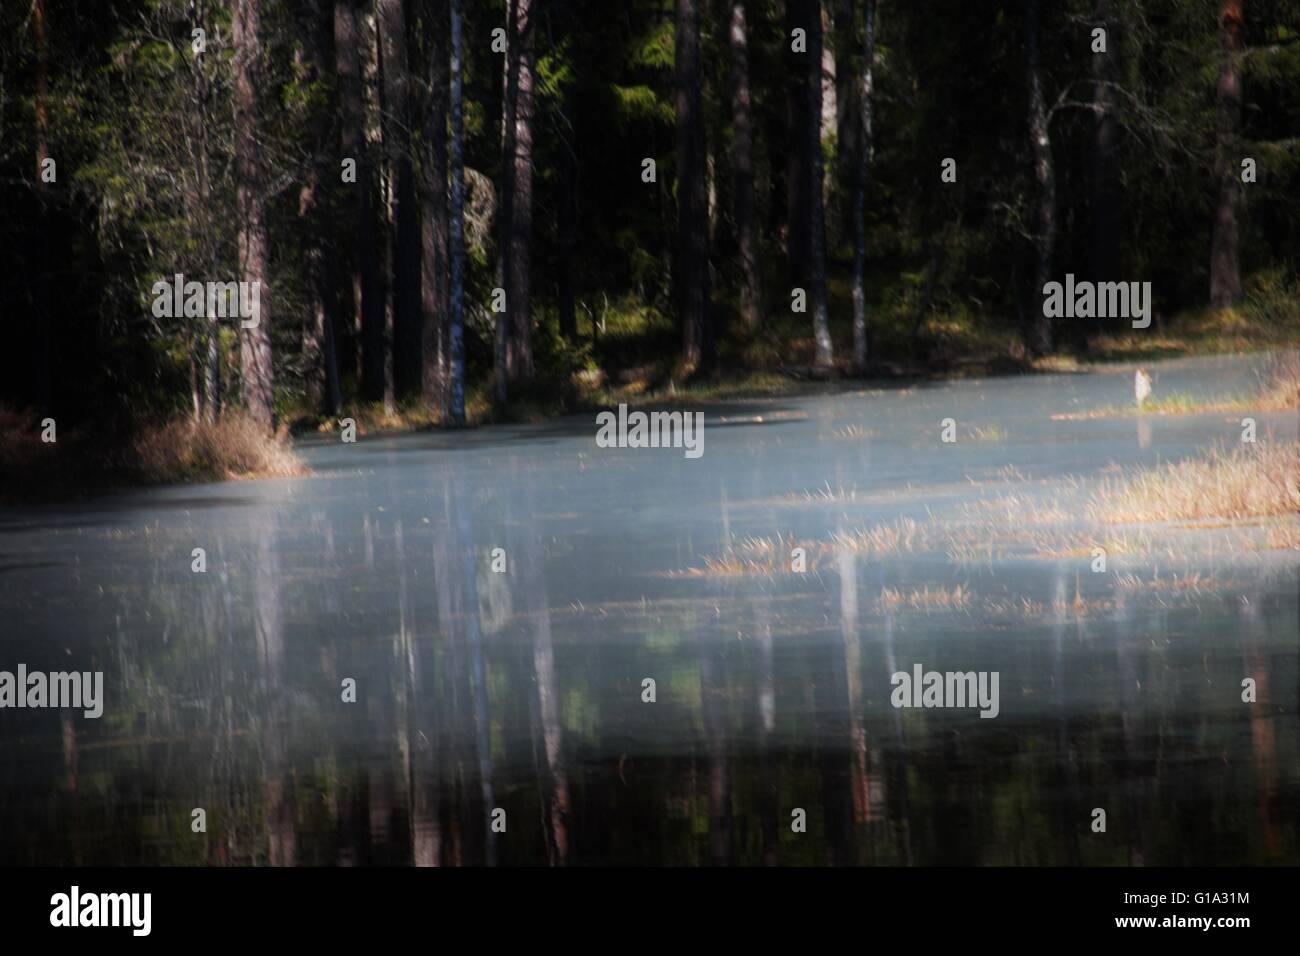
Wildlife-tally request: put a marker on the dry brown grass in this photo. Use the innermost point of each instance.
(233, 447)
(1255, 480)
(902, 536)
(1281, 391)
(926, 599)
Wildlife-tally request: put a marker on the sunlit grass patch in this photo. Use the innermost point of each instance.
(1251, 481)
(826, 494)
(1192, 581)
(752, 557)
(854, 433)
(926, 598)
(232, 447)
(1016, 510)
(1281, 390)
(897, 537)
(991, 433)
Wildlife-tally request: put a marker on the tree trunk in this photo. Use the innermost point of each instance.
(44, 286)
(1040, 338)
(1225, 265)
(367, 287)
(255, 343)
(861, 178)
(817, 249)
(514, 325)
(456, 337)
(848, 109)
(316, 29)
(798, 172)
(408, 365)
(1104, 224)
(567, 227)
(433, 289)
(751, 288)
(692, 201)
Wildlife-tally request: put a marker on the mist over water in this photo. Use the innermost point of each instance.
(523, 690)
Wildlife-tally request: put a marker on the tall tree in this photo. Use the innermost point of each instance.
(692, 198)
(848, 109)
(567, 218)
(798, 155)
(202, 210)
(816, 191)
(742, 115)
(41, 104)
(367, 284)
(1104, 221)
(861, 177)
(456, 334)
(408, 366)
(255, 342)
(316, 27)
(434, 250)
(1225, 265)
(1040, 339)
(514, 325)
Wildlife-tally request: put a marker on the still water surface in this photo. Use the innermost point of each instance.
(522, 690)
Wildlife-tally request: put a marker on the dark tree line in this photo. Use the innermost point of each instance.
(448, 202)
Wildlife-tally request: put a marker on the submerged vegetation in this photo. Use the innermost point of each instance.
(1254, 480)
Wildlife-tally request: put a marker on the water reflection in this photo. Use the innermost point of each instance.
(498, 717)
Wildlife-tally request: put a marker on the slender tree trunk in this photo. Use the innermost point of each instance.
(433, 290)
(456, 337)
(1225, 265)
(817, 250)
(44, 286)
(848, 109)
(742, 113)
(367, 285)
(798, 173)
(514, 325)
(1040, 339)
(567, 227)
(255, 343)
(317, 30)
(861, 179)
(203, 221)
(408, 363)
(692, 200)
(1104, 224)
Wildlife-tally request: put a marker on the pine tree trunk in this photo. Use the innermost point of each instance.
(692, 212)
(514, 325)
(1040, 339)
(408, 365)
(434, 254)
(316, 28)
(44, 286)
(456, 336)
(848, 110)
(367, 286)
(743, 160)
(1104, 224)
(1225, 265)
(567, 228)
(255, 342)
(817, 250)
(799, 160)
(861, 179)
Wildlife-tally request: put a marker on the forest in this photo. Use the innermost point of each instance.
(461, 211)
